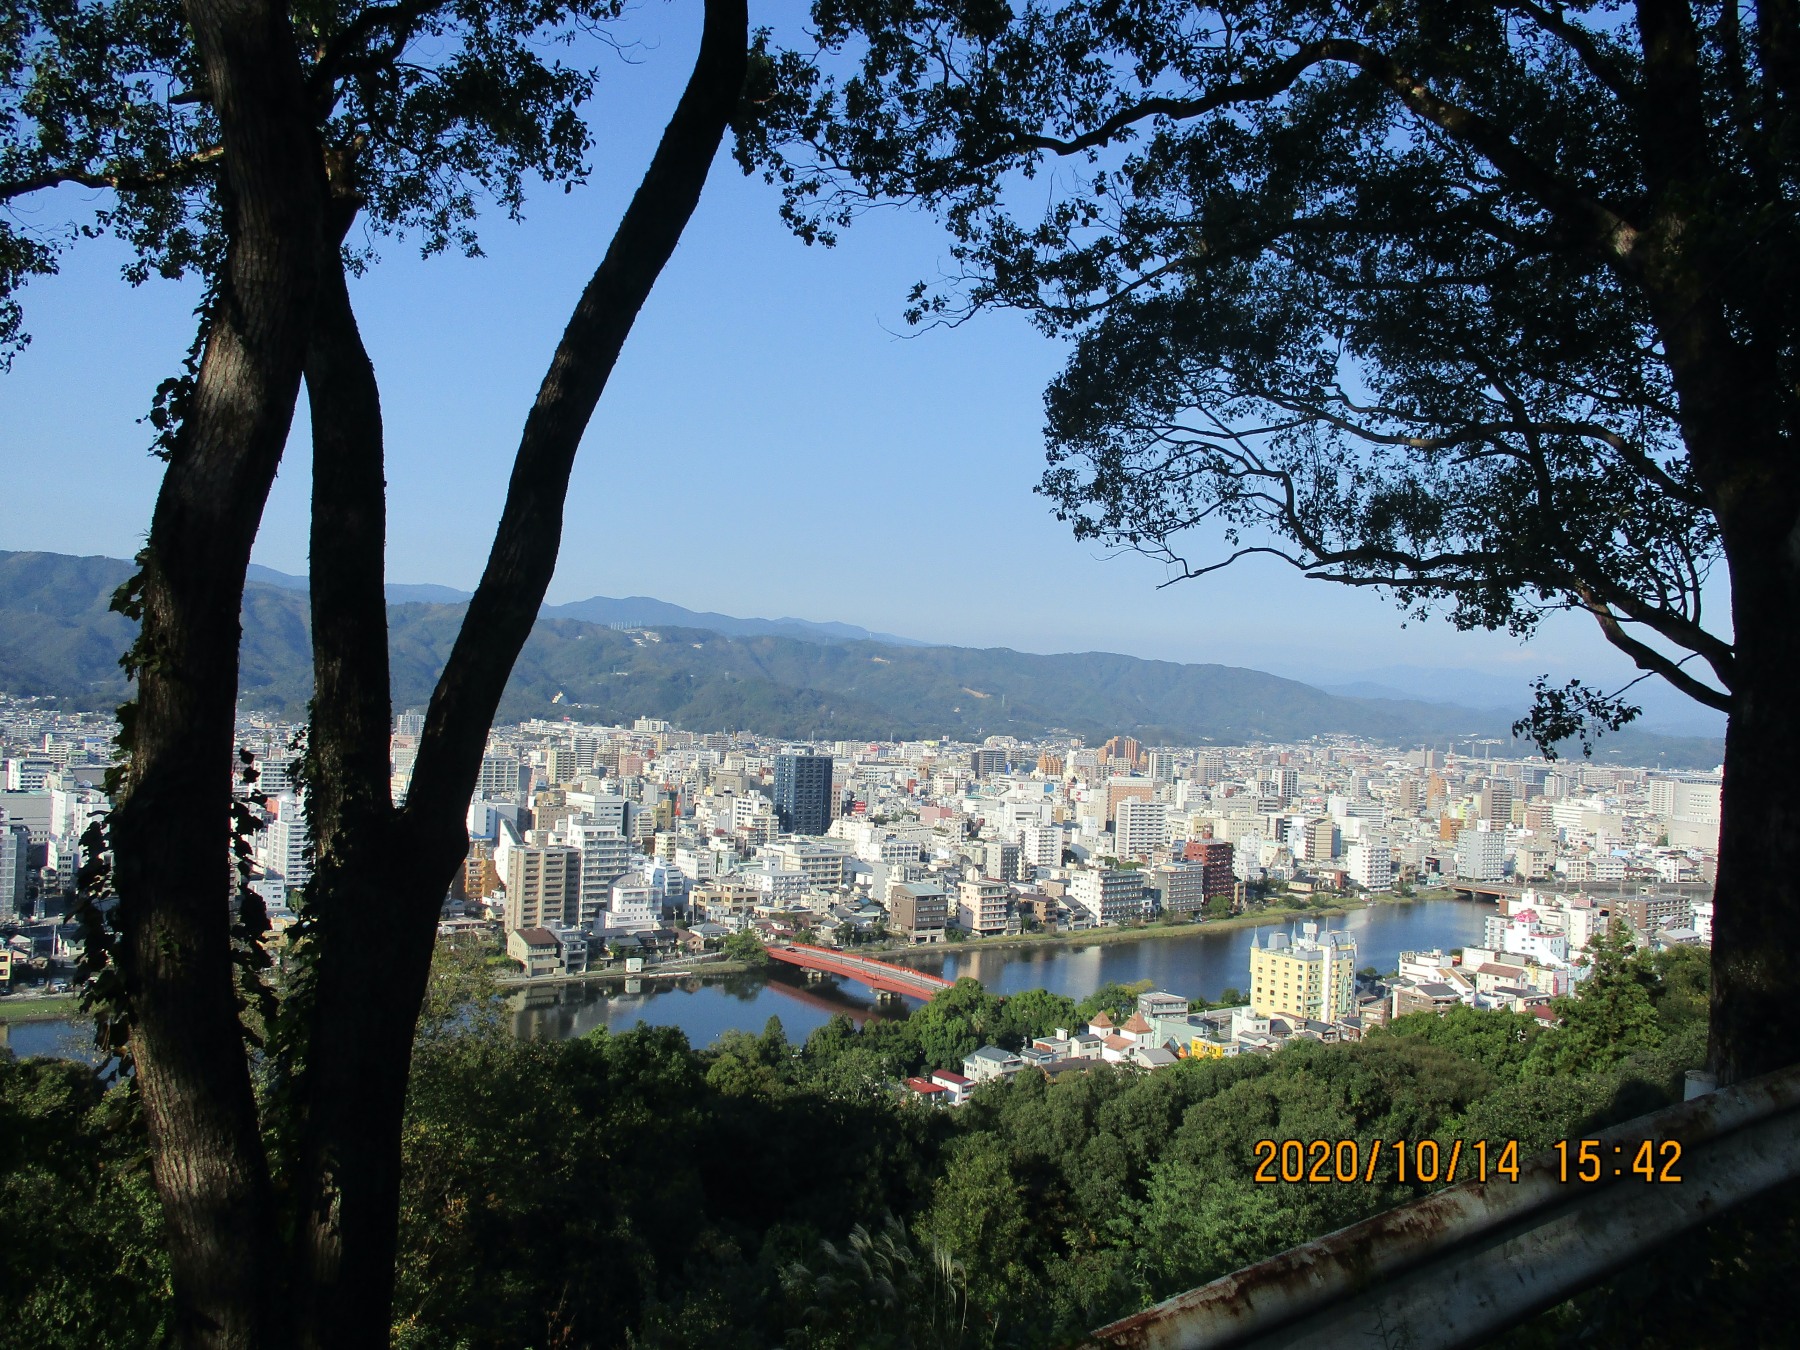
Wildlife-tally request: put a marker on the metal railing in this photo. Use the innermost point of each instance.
(1463, 1264)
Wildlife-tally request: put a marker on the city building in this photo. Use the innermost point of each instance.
(984, 907)
(15, 874)
(1214, 858)
(918, 911)
(543, 887)
(803, 793)
(1110, 895)
(1480, 854)
(1312, 976)
(1369, 860)
(1181, 886)
(1140, 828)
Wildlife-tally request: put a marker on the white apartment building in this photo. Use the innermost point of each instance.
(1041, 846)
(634, 906)
(1140, 828)
(605, 856)
(820, 862)
(1369, 860)
(984, 907)
(1480, 853)
(281, 847)
(1109, 895)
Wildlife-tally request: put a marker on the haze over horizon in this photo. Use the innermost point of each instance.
(769, 446)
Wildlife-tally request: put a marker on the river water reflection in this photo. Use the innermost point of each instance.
(1203, 962)
(1200, 962)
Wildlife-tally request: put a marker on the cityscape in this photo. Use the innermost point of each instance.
(650, 850)
(930, 676)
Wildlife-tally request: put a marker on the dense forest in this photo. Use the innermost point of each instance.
(627, 1190)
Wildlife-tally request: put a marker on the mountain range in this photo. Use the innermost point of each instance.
(708, 672)
(636, 611)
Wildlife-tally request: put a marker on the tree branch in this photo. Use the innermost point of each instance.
(181, 171)
(523, 558)
(1648, 658)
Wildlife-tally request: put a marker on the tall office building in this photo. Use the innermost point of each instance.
(15, 846)
(803, 793)
(986, 763)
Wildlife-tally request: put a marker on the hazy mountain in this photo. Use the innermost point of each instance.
(635, 610)
(1666, 711)
(58, 639)
(642, 611)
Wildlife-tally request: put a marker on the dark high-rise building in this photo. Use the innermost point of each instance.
(987, 763)
(803, 793)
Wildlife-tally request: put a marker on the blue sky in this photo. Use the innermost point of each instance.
(772, 442)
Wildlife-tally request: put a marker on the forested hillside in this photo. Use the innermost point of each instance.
(628, 1190)
(58, 639)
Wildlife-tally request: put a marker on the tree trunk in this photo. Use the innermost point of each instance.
(351, 900)
(170, 833)
(1756, 920)
(383, 874)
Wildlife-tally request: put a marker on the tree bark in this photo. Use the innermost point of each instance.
(383, 874)
(170, 832)
(1755, 1023)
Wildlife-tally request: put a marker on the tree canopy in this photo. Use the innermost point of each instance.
(427, 110)
(1493, 308)
(1377, 291)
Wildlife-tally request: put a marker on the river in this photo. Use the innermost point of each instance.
(1202, 962)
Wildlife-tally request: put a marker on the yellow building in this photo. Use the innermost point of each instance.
(1311, 977)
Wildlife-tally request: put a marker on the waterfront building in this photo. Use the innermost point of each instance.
(985, 907)
(543, 886)
(1370, 862)
(918, 911)
(1110, 895)
(1480, 853)
(1312, 976)
(1214, 858)
(1182, 887)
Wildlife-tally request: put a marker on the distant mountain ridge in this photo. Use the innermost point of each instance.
(636, 610)
(58, 639)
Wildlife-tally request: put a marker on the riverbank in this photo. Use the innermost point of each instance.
(28, 1008)
(1091, 937)
(612, 974)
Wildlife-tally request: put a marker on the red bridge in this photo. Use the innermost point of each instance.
(881, 976)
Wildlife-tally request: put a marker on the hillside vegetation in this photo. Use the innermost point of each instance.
(59, 640)
(632, 1191)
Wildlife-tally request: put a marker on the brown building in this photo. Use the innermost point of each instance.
(1124, 748)
(1215, 856)
(1127, 789)
(1647, 913)
(918, 911)
(543, 887)
(478, 878)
